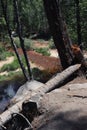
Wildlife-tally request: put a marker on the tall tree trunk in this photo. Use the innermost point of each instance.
(59, 32)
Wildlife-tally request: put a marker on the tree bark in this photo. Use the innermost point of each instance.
(40, 90)
(59, 32)
(15, 2)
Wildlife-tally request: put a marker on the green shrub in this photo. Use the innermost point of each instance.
(4, 53)
(2, 49)
(11, 76)
(17, 42)
(13, 66)
(3, 77)
(43, 75)
(51, 44)
(27, 42)
(7, 39)
(43, 51)
(10, 67)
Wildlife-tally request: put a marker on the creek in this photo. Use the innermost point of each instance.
(8, 90)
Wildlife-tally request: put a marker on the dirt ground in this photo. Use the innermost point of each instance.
(64, 108)
(8, 60)
(51, 64)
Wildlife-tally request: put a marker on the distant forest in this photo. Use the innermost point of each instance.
(34, 21)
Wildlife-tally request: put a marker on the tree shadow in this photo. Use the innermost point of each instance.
(70, 120)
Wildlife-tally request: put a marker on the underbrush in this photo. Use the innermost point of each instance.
(12, 66)
(11, 76)
(29, 45)
(43, 76)
(43, 51)
(27, 42)
(4, 53)
(51, 44)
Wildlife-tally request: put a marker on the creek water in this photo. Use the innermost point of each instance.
(5, 95)
(7, 92)
(8, 89)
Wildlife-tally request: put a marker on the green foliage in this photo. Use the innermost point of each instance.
(4, 53)
(7, 40)
(11, 76)
(33, 15)
(10, 15)
(43, 51)
(13, 66)
(51, 44)
(17, 42)
(10, 67)
(27, 42)
(2, 49)
(69, 13)
(3, 77)
(33, 18)
(43, 76)
(35, 72)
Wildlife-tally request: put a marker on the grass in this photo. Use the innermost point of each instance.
(51, 44)
(18, 76)
(43, 51)
(4, 53)
(11, 76)
(12, 66)
(15, 64)
(27, 42)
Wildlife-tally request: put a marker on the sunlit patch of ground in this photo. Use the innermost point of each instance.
(7, 61)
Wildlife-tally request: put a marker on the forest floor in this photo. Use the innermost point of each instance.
(43, 62)
(50, 63)
(64, 108)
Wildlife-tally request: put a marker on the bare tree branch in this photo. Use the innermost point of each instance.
(20, 37)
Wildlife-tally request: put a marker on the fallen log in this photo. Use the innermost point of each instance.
(41, 90)
(59, 78)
